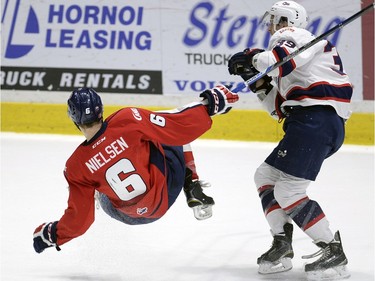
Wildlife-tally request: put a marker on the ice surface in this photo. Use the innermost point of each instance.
(177, 247)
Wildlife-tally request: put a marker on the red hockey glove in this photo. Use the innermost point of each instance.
(45, 237)
(219, 100)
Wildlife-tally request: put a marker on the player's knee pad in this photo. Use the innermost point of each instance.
(265, 175)
(264, 181)
(289, 190)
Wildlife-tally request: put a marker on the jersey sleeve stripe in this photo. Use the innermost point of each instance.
(280, 53)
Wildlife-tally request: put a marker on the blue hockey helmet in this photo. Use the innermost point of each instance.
(85, 106)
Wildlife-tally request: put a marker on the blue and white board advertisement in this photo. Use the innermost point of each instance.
(149, 47)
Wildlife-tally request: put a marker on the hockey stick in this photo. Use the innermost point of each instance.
(258, 76)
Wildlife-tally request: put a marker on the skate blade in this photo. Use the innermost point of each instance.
(335, 273)
(282, 265)
(202, 212)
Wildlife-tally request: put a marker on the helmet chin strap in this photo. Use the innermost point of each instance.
(77, 126)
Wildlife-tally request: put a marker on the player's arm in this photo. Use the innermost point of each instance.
(218, 100)
(79, 215)
(242, 64)
(173, 128)
(76, 220)
(185, 124)
(284, 44)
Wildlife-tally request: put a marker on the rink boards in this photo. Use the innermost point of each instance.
(239, 124)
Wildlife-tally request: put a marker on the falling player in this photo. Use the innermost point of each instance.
(134, 161)
(312, 94)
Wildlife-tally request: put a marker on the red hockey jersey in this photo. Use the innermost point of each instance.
(116, 162)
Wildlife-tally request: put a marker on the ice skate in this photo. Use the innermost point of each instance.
(279, 257)
(332, 262)
(196, 199)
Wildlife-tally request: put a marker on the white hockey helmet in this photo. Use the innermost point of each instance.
(295, 14)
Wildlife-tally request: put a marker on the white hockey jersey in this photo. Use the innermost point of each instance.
(314, 77)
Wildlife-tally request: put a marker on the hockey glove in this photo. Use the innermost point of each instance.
(45, 237)
(241, 63)
(218, 100)
(262, 87)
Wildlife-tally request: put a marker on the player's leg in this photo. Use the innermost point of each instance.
(190, 161)
(278, 257)
(312, 135)
(290, 193)
(190, 164)
(265, 178)
(307, 214)
(196, 199)
(175, 164)
(180, 176)
(331, 263)
(283, 200)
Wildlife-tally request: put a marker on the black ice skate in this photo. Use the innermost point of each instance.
(332, 262)
(196, 199)
(278, 258)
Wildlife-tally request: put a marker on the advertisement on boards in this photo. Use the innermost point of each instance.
(164, 47)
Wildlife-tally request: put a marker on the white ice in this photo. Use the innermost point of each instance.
(177, 247)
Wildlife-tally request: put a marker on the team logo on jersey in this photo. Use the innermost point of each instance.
(142, 211)
(282, 153)
(98, 142)
(136, 114)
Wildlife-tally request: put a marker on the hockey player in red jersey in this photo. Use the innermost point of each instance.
(312, 93)
(133, 162)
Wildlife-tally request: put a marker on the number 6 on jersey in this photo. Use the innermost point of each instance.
(124, 185)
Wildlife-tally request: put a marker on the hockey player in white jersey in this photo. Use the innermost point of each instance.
(312, 94)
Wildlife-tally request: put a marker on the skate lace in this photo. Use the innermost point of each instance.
(275, 244)
(325, 252)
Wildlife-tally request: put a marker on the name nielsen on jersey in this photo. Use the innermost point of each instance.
(101, 158)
